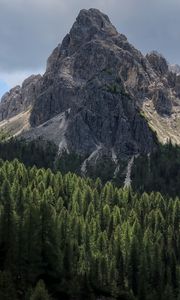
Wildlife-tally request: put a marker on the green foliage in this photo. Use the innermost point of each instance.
(84, 239)
(40, 292)
(113, 88)
(108, 71)
(115, 85)
(4, 135)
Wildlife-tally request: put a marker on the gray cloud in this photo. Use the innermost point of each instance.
(30, 29)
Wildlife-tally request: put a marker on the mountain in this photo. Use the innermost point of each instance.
(99, 95)
(71, 237)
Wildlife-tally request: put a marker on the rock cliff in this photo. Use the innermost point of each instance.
(19, 99)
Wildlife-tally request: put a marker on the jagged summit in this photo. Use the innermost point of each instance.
(90, 24)
(99, 95)
(90, 27)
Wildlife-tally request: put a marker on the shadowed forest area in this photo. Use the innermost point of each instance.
(67, 237)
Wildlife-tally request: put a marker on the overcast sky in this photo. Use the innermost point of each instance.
(30, 29)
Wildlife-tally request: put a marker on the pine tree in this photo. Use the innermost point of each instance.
(48, 243)
(40, 292)
(8, 230)
(32, 253)
(168, 293)
(133, 272)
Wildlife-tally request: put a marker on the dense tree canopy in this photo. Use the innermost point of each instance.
(38, 152)
(158, 171)
(64, 237)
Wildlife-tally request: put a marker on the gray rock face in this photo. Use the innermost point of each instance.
(177, 85)
(158, 62)
(98, 82)
(88, 73)
(19, 99)
(162, 102)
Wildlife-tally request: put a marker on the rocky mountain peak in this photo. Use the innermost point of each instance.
(90, 24)
(99, 94)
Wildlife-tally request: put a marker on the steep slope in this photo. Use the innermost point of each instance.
(19, 99)
(101, 95)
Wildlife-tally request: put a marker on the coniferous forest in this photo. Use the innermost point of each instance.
(89, 150)
(68, 237)
(158, 171)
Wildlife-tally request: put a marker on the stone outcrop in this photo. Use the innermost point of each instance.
(19, 99)
(91, 97)
(162, 102)
(158, 63)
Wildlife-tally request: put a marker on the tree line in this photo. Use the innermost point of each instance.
(158, 171)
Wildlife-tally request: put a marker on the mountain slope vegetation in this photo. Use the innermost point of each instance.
(85, 239)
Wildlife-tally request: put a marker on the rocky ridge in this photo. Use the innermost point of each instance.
(99, 94)
(175, 69)
(19, 98)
